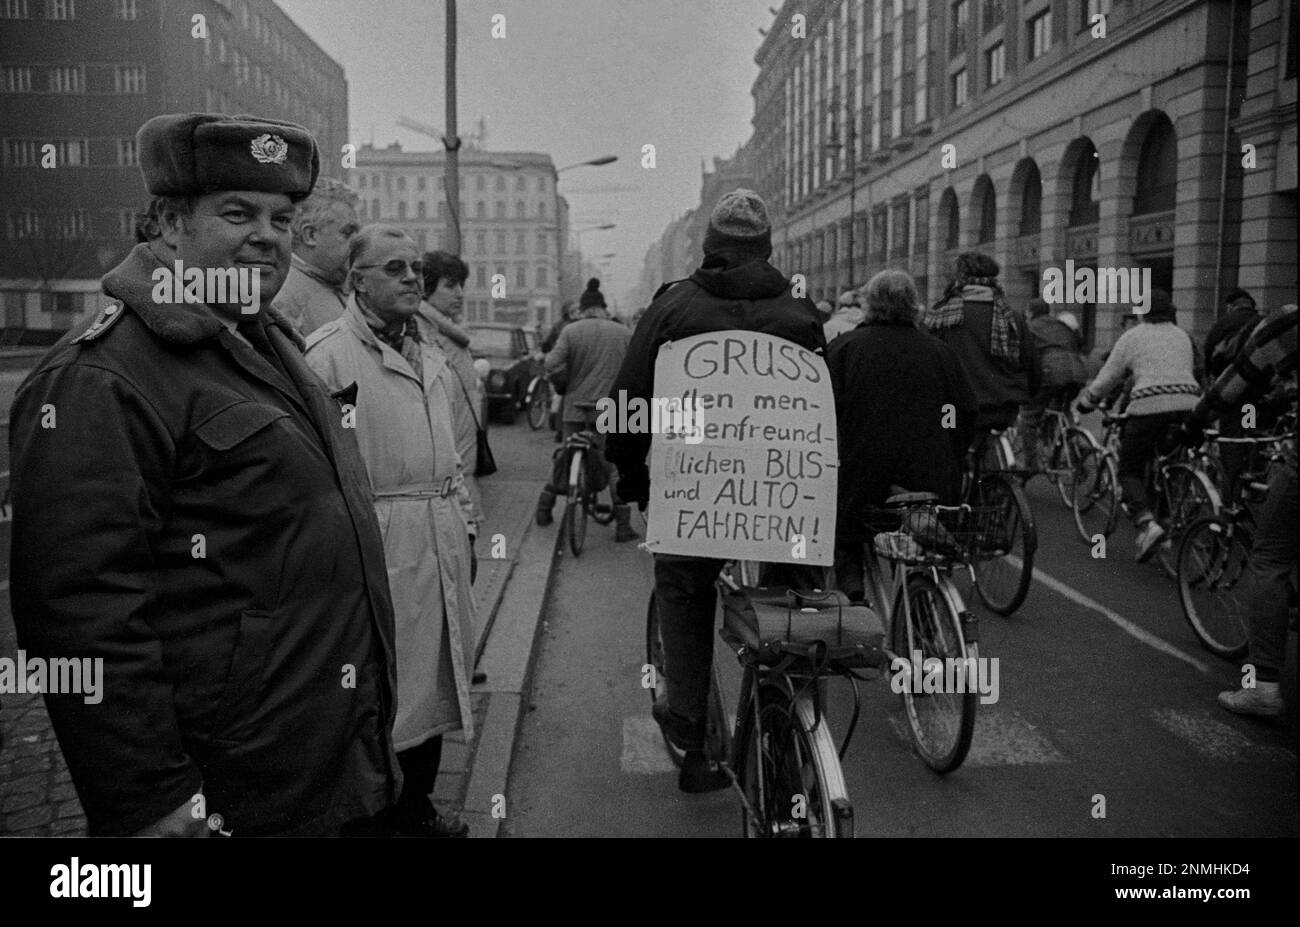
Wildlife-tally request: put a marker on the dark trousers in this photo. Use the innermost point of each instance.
(1137, 451)
(686, 598)
(420, 771)
(1272, 558)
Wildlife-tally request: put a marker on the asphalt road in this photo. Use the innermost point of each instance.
(1117, 701)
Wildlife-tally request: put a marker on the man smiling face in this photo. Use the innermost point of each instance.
(247, 230)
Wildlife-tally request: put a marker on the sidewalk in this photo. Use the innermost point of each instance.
(37, 797)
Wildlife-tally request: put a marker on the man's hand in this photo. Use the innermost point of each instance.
(179, 823)
(1085, 402)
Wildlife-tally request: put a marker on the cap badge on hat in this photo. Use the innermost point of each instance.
(270, 149)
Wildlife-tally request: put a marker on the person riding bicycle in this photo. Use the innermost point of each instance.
(1267, 360)
(1060, 355)
(892, 384)
(1165, 364)
(734, 288)
(582, 364)
(992, 341)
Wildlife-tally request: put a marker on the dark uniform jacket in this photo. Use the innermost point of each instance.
(892, 381)
(205, 527)
(724, 294)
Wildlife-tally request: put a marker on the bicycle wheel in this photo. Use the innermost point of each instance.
(1188, 495)
(939, 723)
(1211, 566)
(1095, 494)
(539, 404)
(654, 657)
(575, 510)
(1002, 575)
(788, 769)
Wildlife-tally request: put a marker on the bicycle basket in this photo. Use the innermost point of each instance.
(923, 534)
(821, 630)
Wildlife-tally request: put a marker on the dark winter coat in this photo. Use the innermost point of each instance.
(725, 293)
(1222, 334)
(206, 528)
(1059, 352)
(1000, 387)
(892, 381)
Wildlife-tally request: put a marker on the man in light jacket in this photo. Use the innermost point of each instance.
(402, 415)
(847, 317)
(323, 229)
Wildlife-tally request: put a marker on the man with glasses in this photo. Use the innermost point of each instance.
(323, 229)
(402, 408)
(190, 510)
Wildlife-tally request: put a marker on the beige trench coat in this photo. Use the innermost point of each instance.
(404, 432)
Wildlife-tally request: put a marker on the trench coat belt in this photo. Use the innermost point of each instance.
(448, 487)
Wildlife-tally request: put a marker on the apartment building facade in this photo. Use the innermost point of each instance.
(78, 78)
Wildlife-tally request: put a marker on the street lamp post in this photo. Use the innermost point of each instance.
(559, 226)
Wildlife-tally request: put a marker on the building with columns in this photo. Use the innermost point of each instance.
(513, 223)
(1106, 133)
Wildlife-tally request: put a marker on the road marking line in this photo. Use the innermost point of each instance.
(1214, 739)
(998, 740)
(1138, 633)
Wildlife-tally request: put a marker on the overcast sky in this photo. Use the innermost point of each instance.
(574, 78)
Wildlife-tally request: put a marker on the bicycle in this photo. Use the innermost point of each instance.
(1213, 556)
(781, 757)
(1095, 492)
(537, 400)
(1001, 575)
(585, 501)
(1062, 444)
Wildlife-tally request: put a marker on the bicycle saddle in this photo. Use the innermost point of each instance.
(903, 497)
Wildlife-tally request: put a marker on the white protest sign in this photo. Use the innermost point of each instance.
(761, 483)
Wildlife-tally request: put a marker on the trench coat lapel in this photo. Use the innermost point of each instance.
(387, 356)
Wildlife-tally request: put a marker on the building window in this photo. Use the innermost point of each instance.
(521, 243)
(501, 243)
(541, 278)
(521, 211)
(994, 13)
(501, 183)
(401, 209)
(541, 208)
(361, 181)
(129, 78)
(541, 184)
(420, 183)
(501, 209)
(960, 17)
(60, 9)
(70, 79)
(1040, 35)
(997, 63)
(125, 9)
(421, 209)
(127, 153)
(374, 209)
(72, 224)
(480, 183)
(480, 243)
(17, 79)
(480, 276)
(23, 223)
(401, 184)
(959, 88)
(521, 277)
(521, 183)
(13, 9)
(480, 210)
(542, 242)
(1090, 9)
(126, 224)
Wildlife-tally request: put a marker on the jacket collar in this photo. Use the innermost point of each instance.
(737, 276)
(355, 319)
(311, 270)
(445, 326)
(179, 323)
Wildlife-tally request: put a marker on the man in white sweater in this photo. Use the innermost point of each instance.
(1166, 367)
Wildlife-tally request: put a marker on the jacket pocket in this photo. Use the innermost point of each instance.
(236, 423)
(245, 684)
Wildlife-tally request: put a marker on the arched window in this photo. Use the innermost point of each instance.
(1086, 191)
(1157, 177)
(1031, 201)
(950, 219)
(986, 206)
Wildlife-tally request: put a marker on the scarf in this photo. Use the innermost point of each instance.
(402, 335)
(948, 312)
(447, 328)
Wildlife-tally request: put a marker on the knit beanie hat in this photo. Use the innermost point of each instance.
(591, 296)
(739, 223)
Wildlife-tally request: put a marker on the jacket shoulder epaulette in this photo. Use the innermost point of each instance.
(107, 318)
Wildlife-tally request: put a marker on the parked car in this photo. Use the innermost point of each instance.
(512, 353)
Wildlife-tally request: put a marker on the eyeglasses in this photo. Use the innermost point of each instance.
(396, 268)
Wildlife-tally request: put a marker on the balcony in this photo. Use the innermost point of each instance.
(1081, 241)
(1025, 251)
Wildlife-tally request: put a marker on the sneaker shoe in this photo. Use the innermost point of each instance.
(1148, 540)
(698, 775)
(1263, 701)
(681, 731)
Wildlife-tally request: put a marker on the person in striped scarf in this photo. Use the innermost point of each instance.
(1265, 363)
